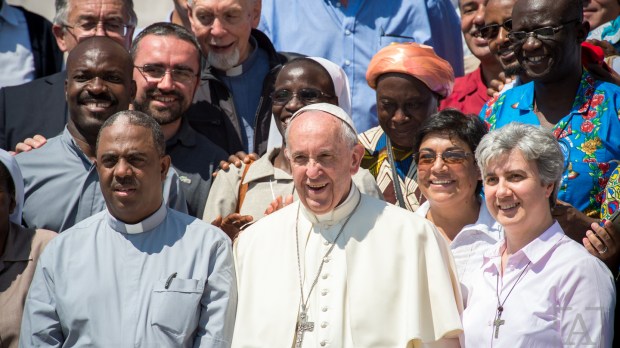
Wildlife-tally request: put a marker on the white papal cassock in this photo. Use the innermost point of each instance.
(389, 281)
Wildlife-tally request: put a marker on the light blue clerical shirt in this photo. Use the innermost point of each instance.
(168, 281)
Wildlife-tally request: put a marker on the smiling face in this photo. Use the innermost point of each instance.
(497, 12)
(295, 76)
(403, 103)
(99, 84)
(165, 99)
(447, 184)
(223, 29)
(554, 58)
(472, 18)
(515, 194)
(598, 12)
(83, 13)
(321, 162)
(131, 171)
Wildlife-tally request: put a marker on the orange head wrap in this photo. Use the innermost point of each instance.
(419, 61)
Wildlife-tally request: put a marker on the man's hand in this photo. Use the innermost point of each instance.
(232, 224)
(30, 143)
(237, 159)
(573, 222)
(496, 85)
(602, 243)
(608, 49)
(278, 204)
(601, 73)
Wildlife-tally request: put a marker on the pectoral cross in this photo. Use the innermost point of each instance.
(303, 325)
(498, 322)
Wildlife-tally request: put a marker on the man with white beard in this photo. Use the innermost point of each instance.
(232, 105)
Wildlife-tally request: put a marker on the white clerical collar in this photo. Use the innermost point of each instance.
(145, 225)
(245, 65)
(339, 213)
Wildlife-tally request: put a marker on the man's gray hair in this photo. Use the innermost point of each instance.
(348, 134)
(535, 144)
(137, 118)
(62, 12)
(190, 3)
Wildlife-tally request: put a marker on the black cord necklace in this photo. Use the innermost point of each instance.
(497, 322)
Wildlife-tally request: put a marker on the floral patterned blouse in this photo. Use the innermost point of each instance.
(589, 137)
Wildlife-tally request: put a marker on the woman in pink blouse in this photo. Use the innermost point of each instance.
(536, 287)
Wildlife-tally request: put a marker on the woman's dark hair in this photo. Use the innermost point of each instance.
(468, 128)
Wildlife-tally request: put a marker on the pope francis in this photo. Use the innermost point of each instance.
(338, 268)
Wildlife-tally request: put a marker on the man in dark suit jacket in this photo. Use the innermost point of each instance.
(47, 56)
(39, 107)
(36, 107)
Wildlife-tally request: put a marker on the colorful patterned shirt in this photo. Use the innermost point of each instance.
(589, 136)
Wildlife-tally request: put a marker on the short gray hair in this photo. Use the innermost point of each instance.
(347, 134)
(190, 3)
(535, 144)
(137, 118)
(62, 12)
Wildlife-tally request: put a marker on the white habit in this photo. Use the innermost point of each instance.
(388, 282)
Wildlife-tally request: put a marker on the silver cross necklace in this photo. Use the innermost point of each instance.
(500, 305)
(303, 324)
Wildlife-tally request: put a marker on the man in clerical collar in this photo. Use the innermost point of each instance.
(337, 266)
(137, 274)
(232, 106)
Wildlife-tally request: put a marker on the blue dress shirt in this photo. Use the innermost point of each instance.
(350, 36)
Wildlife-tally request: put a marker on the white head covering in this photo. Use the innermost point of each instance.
(16, 174)
(341, 88)
(341, 82)
(333, 110)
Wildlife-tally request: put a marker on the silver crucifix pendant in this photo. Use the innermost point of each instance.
(303, 325)
(498, 322)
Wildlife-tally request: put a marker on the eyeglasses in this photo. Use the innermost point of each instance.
(492, 30)
(544, 33)
(427, 158)
(305, 95)
(89, 28)
(156, 73)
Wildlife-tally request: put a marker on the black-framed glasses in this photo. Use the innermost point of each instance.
(427, 158)
(492, 30)
(544, 33)
(89, 28)
(305, 95)
(156, 73)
